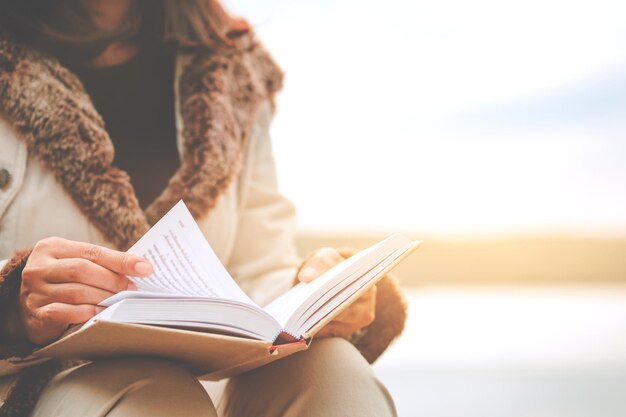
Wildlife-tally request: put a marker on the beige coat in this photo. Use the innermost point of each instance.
(250, 228)
(58, 158)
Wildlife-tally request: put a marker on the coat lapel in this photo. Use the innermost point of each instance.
(219, 94)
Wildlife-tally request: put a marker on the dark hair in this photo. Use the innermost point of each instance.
(63, 27)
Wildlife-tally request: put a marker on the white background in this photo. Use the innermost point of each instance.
(448, 116)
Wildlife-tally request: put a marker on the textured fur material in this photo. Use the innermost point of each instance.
(219, 96)
(10, 282)
(391, 308)
(31, 381)
(51, 112)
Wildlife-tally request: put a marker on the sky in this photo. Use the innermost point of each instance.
(450, 117)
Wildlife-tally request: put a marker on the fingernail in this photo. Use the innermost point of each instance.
(99, 309)
(308, 272)
(131, 286)
(143, 268)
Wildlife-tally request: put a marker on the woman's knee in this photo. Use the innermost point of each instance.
(125, 387)
(335, 361)
(331, 378)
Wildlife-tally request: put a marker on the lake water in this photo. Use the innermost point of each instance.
(511, 351)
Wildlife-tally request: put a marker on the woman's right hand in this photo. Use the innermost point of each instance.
(63, 282)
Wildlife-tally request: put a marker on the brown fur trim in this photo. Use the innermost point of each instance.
(220, 92)
(391, 307)
(219, 97)
(10, 282)
(51, 112)
(31, 381)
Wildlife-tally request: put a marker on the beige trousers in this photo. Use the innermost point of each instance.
(330, 379)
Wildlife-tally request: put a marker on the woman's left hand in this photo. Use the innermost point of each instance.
(358, 315)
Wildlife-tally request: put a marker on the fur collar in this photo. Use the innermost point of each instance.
(219, 93)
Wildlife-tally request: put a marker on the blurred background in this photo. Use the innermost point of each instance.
(495, 131)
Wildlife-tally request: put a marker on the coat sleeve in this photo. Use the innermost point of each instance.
(264, 258)
(14, 355)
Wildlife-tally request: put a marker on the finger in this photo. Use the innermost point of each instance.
(120, 262)
(71, 293)
(82, 271)
(62, 315)
(320, 262)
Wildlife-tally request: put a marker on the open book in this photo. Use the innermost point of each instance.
(191, 300)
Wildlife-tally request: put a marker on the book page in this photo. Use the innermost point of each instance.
(300, 298)
(332, 300)
(283, 307)
(184, 262)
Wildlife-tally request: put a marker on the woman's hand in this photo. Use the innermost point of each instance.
(360, 314)
(63, 281)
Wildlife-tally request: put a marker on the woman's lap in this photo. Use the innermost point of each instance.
(124, 387)
(331, 378)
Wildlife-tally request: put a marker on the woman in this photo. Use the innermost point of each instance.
(184, 95)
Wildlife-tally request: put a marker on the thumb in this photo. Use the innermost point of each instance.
(308, 273)
(320, 262)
